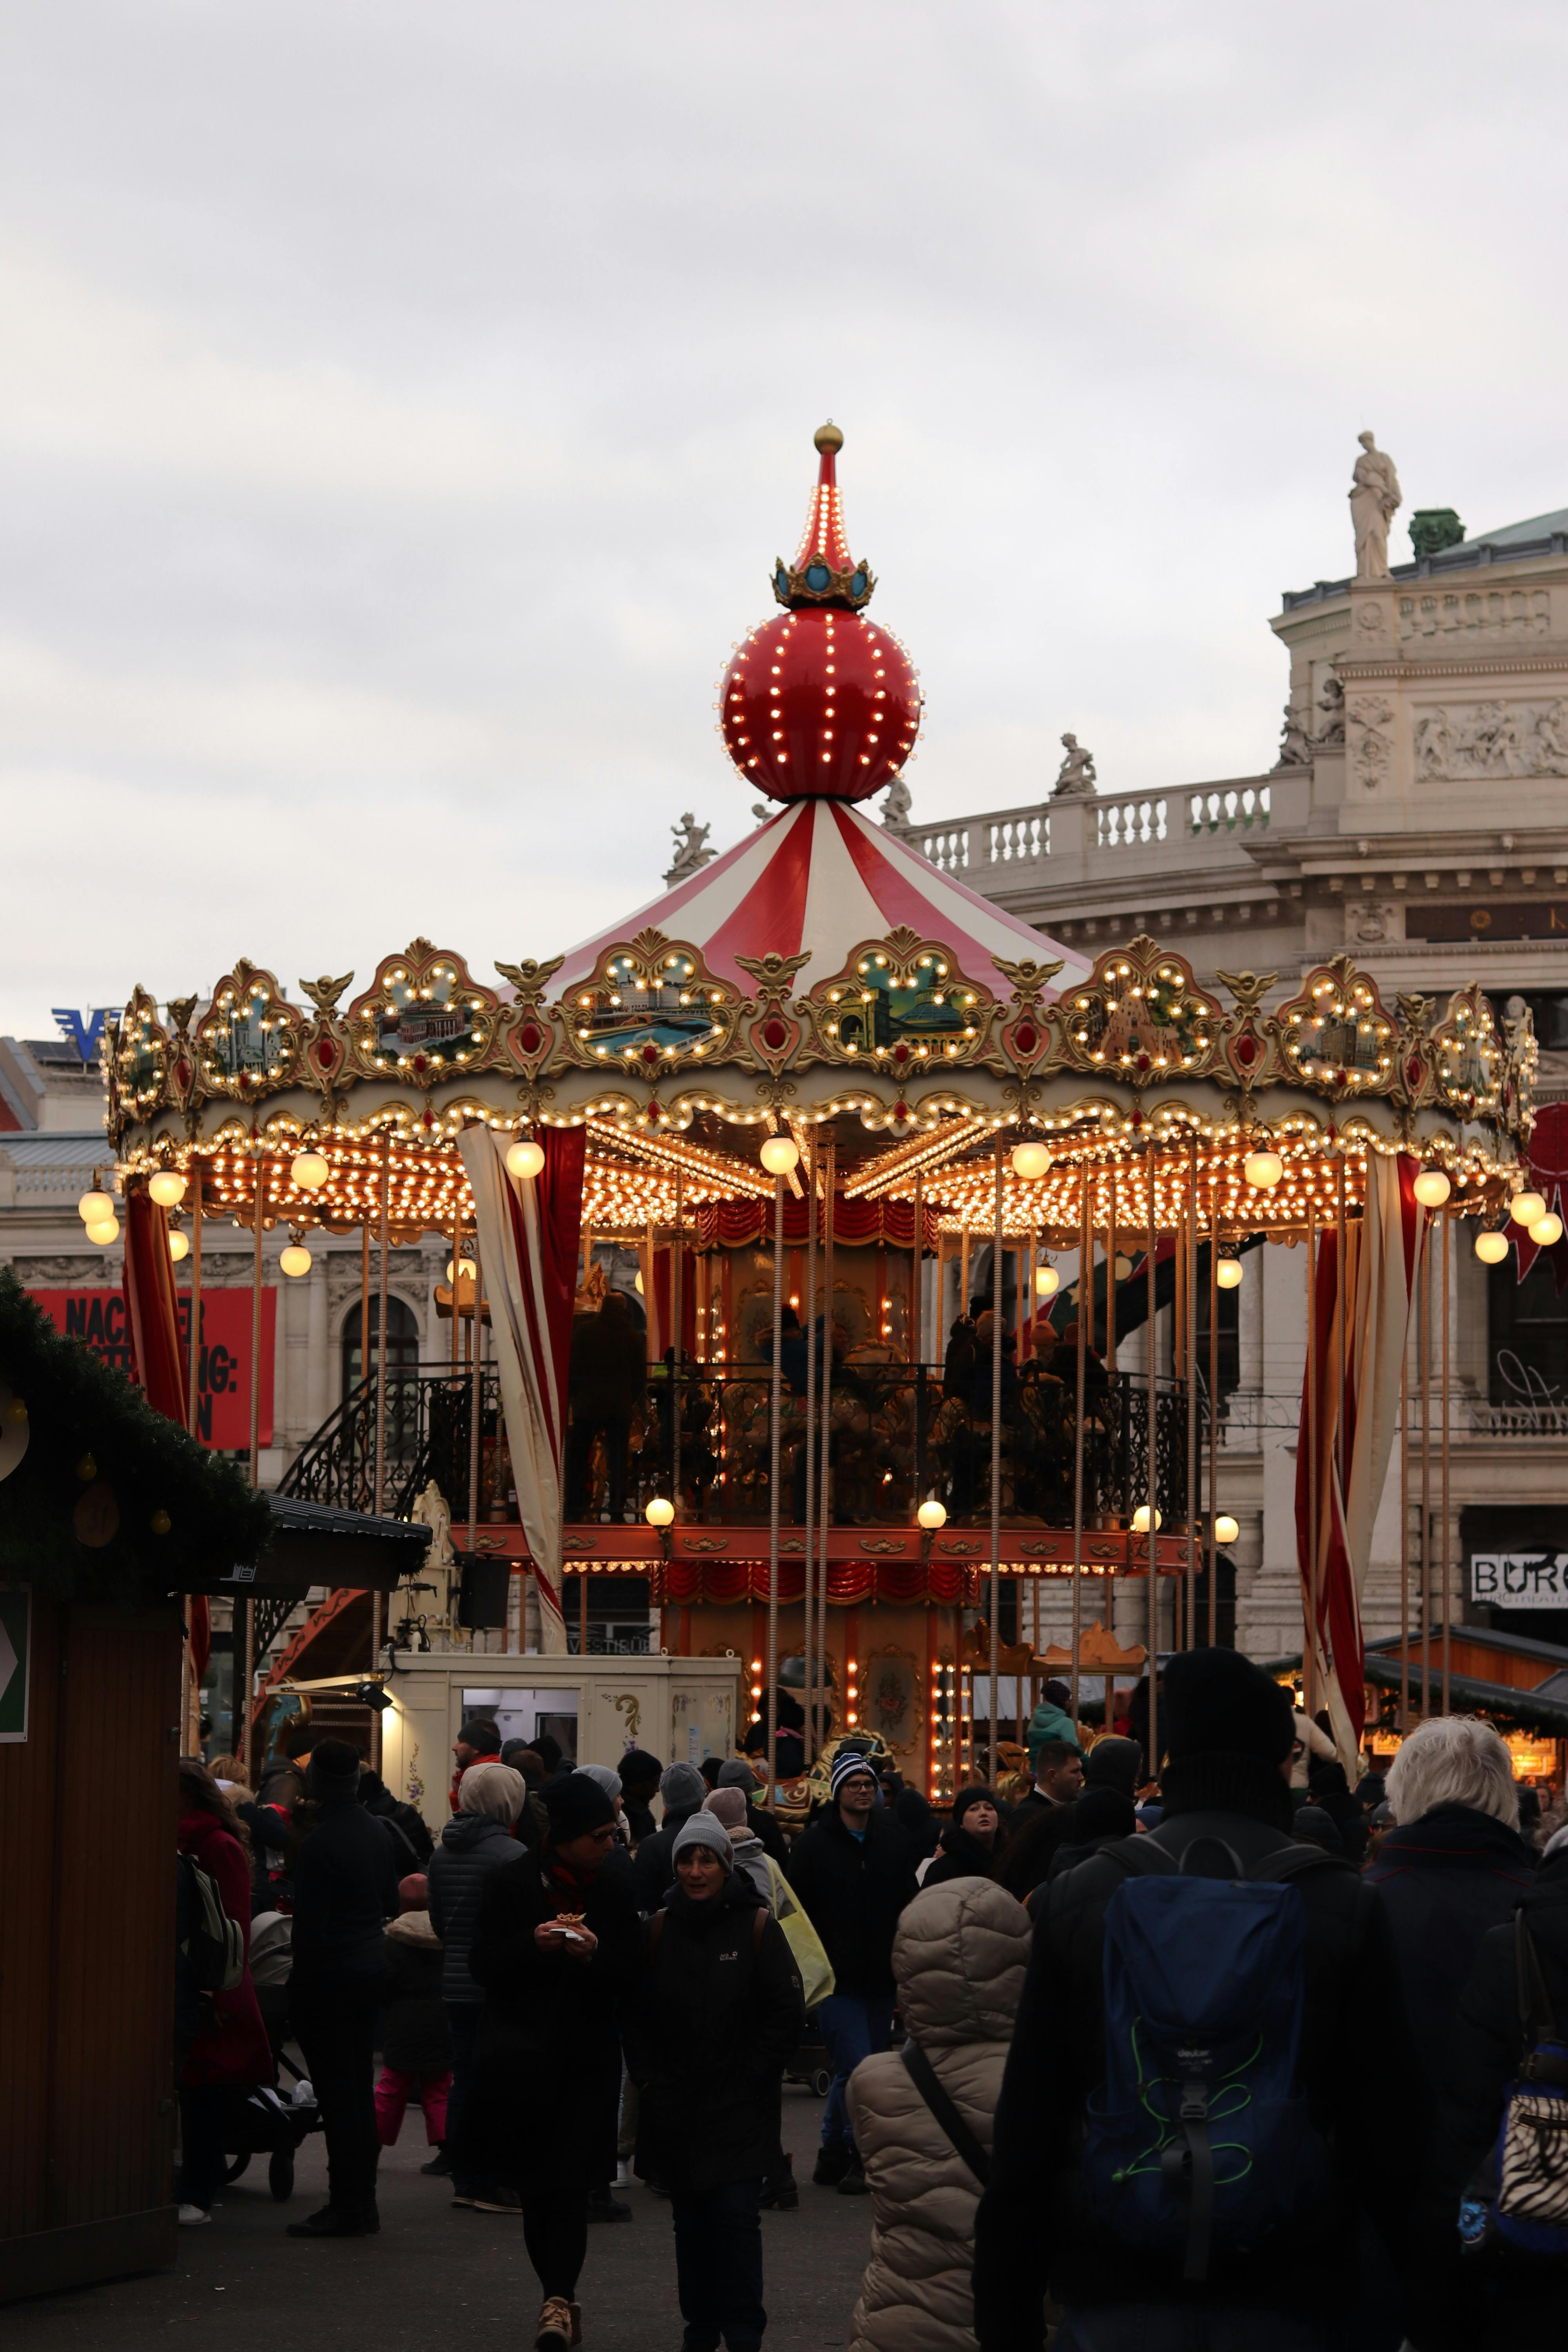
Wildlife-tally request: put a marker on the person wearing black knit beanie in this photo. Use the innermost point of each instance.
(1229, 1734)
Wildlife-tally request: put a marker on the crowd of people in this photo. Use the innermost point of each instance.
(1230, 2055)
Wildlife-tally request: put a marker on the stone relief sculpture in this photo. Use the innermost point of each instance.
(692, 853)
(1331, 703)
(1074, 777)
(1375, 498)
(897, 804)
(1492, 739)
(1371, 752)
(1295, 745)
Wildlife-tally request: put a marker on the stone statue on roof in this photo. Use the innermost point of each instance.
(691, 852)
(1075, 778)
(897, 803)
(1375, 498)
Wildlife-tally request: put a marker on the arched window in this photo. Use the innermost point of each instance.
(402, 1340)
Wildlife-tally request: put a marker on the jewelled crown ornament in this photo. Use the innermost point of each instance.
(819, 702)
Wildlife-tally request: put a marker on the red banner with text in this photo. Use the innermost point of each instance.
(98, 1318)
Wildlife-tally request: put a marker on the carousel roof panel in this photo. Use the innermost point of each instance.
(817, 879)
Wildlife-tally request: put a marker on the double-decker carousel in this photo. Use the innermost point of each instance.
(929, 1217)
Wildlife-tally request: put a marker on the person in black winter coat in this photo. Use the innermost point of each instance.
(717, 2016)
(1229, 1734)
(415, 2044)
(1493, 2302)
(640, 1774)
(555, 1948)
(854, 1871)
(969, 1842)
(1329, 1792)
(910, 1810)
(1101, 1816)
(479, 1841)
(378, 1800)
(1453, 1867)
(683, 1789)
(345, 1888)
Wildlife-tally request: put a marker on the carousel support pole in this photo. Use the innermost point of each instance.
(1110, 1287)
(824, 1490)
(381, 1330)
(1314, 1484)
(259, 1207)
(361, 1485)
(995, 1454)
(1424, 1342)
(772, 1705)
(916, 1268)
(1214, 1422)
(676, 1315)
(1152, 1240)
(456, 1268)
(963, 1273)
(1085, 1247)
(1034, 1580)
(192, 1376)
(1404, 1536)
(476, 1398)
(1444, 1549)
(808, 1616)
(1190, 1344)
(582, 1612)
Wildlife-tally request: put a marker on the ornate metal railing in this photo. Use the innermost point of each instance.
(894, 1436)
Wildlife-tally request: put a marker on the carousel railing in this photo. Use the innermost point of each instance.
(894, 1436)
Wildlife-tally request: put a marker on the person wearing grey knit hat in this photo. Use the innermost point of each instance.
(735, 1772)
(609, 1781)
(682, 1787)
(704, 1829)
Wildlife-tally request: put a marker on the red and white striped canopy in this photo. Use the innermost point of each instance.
(821, 878)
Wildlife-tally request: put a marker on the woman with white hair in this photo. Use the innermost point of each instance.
(1453, 1867)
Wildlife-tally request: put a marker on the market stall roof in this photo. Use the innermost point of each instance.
(819, 878)
(312, 1544)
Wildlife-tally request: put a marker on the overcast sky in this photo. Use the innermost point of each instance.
(401, 408)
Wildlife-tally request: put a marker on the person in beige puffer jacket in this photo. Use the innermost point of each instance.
(959, 1957)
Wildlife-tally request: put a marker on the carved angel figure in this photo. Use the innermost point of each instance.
(1295, 747)
(692, 853)
(897, 803)
(1331, 703)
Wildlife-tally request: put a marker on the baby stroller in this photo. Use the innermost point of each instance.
(264, 2123)
(811, 2064)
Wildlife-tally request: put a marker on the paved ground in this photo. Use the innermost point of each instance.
(438, 2279)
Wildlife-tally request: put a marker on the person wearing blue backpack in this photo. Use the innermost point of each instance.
(1211, 2046)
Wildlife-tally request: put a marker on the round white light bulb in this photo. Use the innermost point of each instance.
(660, 1512)
(1141, 1520)
(1492, 1248)
(167, 1188)
(779, 1155)
(525, 1158)
(1526, 1207)
(932, 1514)
(103, 1229)
(295, 1260)
(1227, 1273)
(1047, 1281)
(179, 1246)
(1546, 1230)
(1432, 1188)
(1262, 1170)
(93, 1207)
(1031, 1160)
(310, 1170)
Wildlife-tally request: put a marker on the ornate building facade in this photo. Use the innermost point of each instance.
(1416, 818)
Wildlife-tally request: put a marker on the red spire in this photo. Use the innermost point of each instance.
(824, 571)
(823, 537)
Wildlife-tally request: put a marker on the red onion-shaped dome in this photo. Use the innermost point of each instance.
(819, 702)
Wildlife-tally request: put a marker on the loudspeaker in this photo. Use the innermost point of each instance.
(482, 1594)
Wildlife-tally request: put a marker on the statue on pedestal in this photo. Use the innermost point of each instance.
(1375, 498)
(1075, 777)
(692, 853)
(896, 807)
